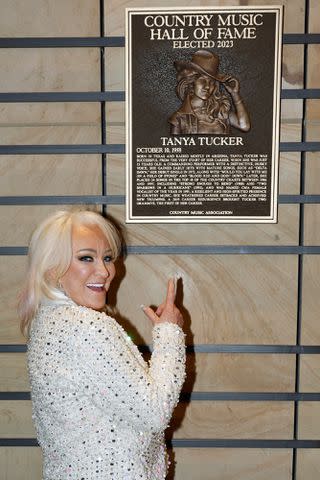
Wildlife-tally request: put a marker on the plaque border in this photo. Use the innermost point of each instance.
(274, 177)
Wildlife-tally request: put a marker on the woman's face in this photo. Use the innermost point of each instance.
(203, 87)
(91, 269)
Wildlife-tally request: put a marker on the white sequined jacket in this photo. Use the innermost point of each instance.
(99, 409)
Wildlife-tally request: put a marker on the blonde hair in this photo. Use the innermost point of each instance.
(50, 254)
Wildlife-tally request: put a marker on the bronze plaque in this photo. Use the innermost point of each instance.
(203, 103)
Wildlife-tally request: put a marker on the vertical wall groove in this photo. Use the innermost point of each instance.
(301, 243)
(103, 108)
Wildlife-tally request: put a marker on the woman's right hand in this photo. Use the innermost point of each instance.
(167, 311)
(232, 85)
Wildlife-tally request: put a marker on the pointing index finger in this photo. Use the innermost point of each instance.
(171, 291)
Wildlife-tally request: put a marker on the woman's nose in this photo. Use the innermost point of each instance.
(102, 268)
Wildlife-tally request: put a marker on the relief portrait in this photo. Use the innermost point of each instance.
(211, 101)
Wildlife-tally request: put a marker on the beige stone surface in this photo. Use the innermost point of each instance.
(311, 225)
(313, 120)
(226, 298)
(310, 332)
(285, 232)
(309, 420)
(115, 113)
(218, 419)
(308, 464)
(115, 132)
(49, 123)
(291, 111)
(12, 273)
(21, 463)
(44, 18)
(50, 175)
(231, 464)
(310, 373)
(50, 134)
(313, 16)
(49, 114)
(16, 420)
(115, 122)
(313, 64)
(231, 372)
(115, 68)
(116, 174)
(312, 113)
(292, 66)
(20, 221)
(313, 131)
(289, 173)
(13, 372)
(290, 130)
(44, 69)
(312, 173)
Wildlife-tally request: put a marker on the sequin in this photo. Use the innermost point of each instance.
(99, 409)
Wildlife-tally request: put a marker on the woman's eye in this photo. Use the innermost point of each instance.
(107, 259)
(85, 258)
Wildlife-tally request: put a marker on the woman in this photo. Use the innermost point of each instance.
(99, 410)
(205, 109)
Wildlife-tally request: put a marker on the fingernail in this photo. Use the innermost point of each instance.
(175, 276)
(142, 306)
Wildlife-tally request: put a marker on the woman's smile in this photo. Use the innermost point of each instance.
(96, 287)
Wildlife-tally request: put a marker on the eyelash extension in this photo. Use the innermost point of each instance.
(83, 257)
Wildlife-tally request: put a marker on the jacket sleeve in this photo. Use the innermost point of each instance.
(120, 382)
